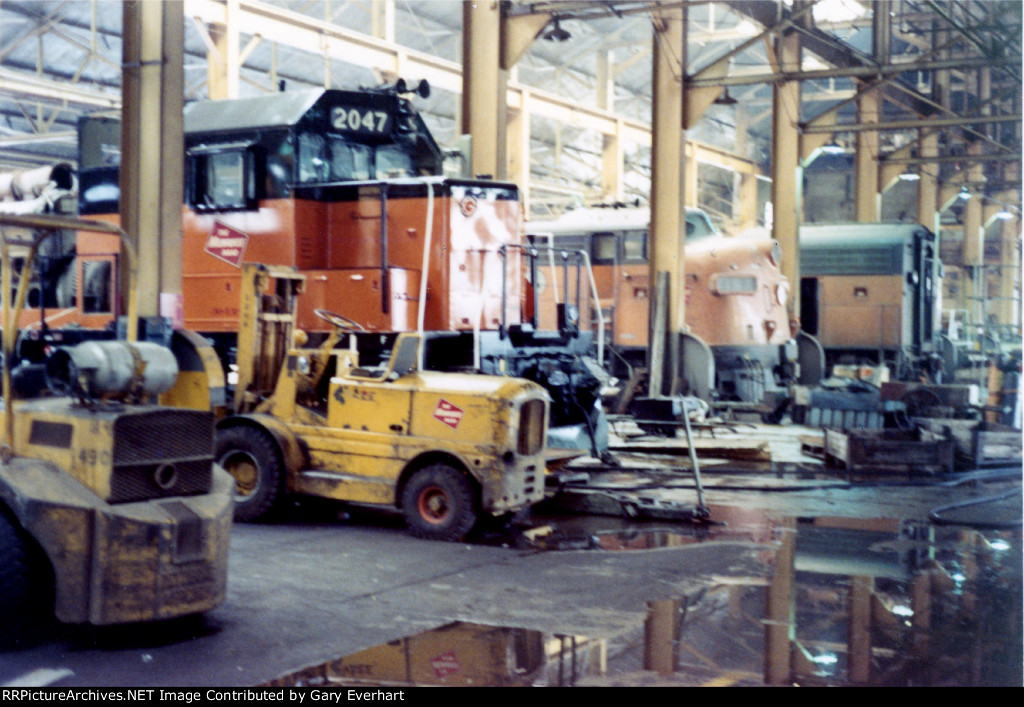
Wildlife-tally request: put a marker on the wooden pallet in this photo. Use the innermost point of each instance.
(888, 451)
(978, 443)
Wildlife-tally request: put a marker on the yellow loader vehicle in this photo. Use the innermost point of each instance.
(445, 448)
(111, 507)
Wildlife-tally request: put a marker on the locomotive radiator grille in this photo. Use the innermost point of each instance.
(162, 453)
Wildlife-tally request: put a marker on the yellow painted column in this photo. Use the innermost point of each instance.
(483, 86)
(611, 145)
(611, 166)
(518, 135)
(928, 185)
(1010, 273)
(152, 150)
(382, 19)
(973, 284)
(866, 160)
(787, 179)
(667, 223)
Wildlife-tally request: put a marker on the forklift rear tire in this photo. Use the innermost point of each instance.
(26, 585)
(440, 503)
(252, 458)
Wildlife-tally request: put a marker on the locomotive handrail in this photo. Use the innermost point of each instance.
(582, 256)
(428, 237)
(48, 224)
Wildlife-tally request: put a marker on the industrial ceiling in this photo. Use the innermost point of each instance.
(955, 64)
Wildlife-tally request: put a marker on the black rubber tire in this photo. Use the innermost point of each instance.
(253, 459)
(26, 585)
(440, 503)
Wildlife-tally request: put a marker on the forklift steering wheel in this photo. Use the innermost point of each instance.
(343, 323)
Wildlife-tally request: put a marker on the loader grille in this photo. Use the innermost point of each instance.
(531, 427)
(162, 453)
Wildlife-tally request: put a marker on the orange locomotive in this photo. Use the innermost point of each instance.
(348, 187)
(72, 291)
(735, 300)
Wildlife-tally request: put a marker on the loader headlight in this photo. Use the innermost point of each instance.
(302, 365)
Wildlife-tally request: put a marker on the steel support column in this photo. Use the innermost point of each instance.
(611, 145)
(745, 201)
(974, 244)
(787, 175)
(928, 185)
(611, 168)
(667, 223)
(866, 160)
(1010, 273)
(518, 135)
(382, 19)
(484, 86)
(222, 50)
(152, 151)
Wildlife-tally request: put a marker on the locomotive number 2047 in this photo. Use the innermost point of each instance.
(362, 120)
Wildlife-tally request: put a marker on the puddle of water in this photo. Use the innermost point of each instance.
(585, 532)
(877, 602)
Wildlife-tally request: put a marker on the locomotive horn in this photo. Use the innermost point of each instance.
(421, 88)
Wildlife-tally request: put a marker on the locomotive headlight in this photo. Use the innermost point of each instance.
(782, 294)
(775, 254)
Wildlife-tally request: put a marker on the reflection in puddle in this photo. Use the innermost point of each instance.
(849, 602)
(462, 654)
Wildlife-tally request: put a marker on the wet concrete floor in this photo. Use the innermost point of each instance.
(887, 582)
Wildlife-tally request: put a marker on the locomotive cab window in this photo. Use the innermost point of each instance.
(393, 161)
(605, 250)
(314, 165)
(222, 178)
(634, 247)
(332, 158)
(349, 161)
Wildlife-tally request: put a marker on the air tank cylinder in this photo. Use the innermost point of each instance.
(111, 369)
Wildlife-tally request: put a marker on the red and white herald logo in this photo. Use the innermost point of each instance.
(445, 664)
(227, 244)
(449, 414)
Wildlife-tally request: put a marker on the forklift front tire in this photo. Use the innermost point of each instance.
(440, 503)
(251, 457)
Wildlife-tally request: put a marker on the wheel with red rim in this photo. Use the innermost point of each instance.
(440, 503)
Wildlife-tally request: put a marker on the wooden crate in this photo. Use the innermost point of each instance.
(978, 443)
(888, 451)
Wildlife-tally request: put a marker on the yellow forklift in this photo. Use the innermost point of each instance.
(446, 448)
(112, 509)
